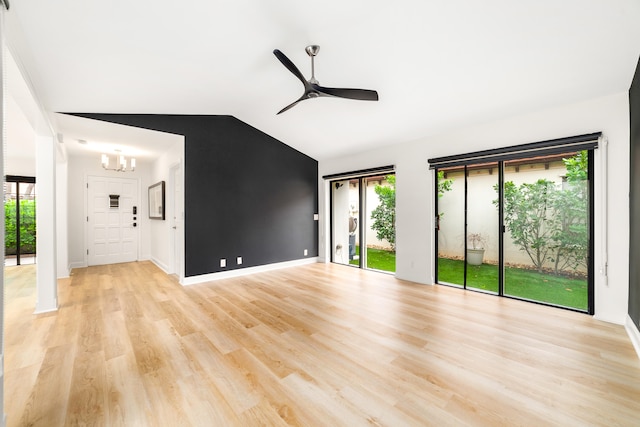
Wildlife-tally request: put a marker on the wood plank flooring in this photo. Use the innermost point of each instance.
(318, 345)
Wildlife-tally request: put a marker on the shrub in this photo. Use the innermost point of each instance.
(27, 227)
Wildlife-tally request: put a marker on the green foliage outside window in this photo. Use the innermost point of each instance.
(444, 185)
(384, 215)
(27, 227)
(549, 222)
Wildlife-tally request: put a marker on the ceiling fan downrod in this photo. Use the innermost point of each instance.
(312, 51)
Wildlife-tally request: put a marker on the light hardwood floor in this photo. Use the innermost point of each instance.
(318, 345)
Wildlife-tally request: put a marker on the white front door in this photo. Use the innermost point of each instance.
(112, 232)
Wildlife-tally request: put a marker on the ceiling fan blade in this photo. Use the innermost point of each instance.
(290, 66)
(293, 104)
(359, 94)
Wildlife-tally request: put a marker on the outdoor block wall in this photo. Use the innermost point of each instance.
(482, 212)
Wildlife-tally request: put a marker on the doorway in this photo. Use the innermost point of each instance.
(20, 220)
(363, 221)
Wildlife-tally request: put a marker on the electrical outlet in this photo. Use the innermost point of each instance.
(239, 260)
(305, 252)
(316, 217)
(223, 262)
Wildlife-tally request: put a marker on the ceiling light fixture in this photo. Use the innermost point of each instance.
(121, 165)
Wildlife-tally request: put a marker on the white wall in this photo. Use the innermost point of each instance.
(62, 219)
(21, 166)
(414, 187)
(78, 170)
(160, 231)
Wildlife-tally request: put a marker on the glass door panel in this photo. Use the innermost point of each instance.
(20, 222)
(546, 218)
(482, 227)
(380, 222)
(345, 202)
(450, 220)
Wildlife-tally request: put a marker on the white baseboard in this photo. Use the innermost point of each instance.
(162, 266)
(615, 321)
(193, 280)
(78, 264)
(47, 309)
(634, 334)
(64, 274)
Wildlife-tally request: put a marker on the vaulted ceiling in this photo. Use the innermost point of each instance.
(437, 65)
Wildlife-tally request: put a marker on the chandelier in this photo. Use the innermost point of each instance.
(121, 165)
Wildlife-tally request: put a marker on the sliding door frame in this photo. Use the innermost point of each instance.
(361, 176)
(587, 142)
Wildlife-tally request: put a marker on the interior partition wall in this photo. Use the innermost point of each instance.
(518, 221)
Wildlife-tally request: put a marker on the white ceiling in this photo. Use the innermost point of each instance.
(437, 65)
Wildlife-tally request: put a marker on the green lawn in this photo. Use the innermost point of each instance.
(377, 259)
(519, 282)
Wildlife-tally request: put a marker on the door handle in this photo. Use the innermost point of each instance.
(174, 227)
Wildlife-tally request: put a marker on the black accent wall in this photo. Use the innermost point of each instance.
(246, 193)
(634, 200)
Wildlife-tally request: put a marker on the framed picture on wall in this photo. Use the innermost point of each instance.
(156, 201)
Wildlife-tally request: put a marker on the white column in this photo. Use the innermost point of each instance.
(46, 263)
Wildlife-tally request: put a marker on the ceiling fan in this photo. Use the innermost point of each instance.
(312, 88)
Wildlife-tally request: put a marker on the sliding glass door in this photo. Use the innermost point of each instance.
(519, 226)
(482, 227)
(20, 220)
(450, 223)
(345, 213)
(363, 221)
(467, 224)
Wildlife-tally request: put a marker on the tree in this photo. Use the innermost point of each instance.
(549, 223)
(384, 215)
(528, 215)
(444, 185)
(570, 233)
